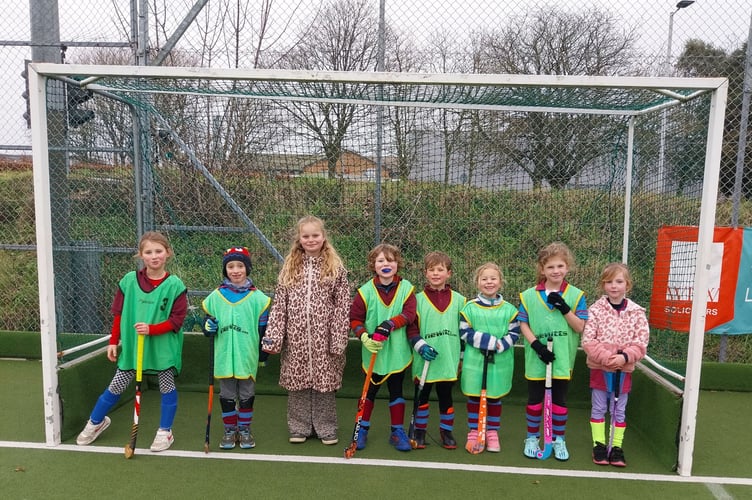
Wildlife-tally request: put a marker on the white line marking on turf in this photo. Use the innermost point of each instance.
(719, 492)
(259, 457)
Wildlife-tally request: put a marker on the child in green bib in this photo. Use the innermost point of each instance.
(435, 337)
(153, 303)
(381, 310)
(551, 309)
(236, 318)
(489, 328)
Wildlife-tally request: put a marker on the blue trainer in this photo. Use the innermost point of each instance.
(399, 440)
(362, 437)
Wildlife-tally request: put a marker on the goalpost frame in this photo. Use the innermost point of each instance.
(39, 73)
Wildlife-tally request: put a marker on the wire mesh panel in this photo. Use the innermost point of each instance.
(594, 37)
(481, 167)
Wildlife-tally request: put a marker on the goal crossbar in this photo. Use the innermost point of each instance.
(537, 93)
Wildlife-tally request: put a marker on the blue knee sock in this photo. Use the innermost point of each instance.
(169, 408)
(105, 402)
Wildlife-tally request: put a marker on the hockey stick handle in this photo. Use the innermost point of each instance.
(617, 381)
(480, 444)
(350, 450)
(211, 395)
(130, 448)
(416, 402)
(616, 386)
(423, 375)
(547, 409)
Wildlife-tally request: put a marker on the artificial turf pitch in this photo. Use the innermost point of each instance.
(278, 469)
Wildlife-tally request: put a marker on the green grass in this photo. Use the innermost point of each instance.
(70, 475)
(720, 449)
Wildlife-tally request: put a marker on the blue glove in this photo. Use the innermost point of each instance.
(210, 326)
(384, 329)
(427, 352)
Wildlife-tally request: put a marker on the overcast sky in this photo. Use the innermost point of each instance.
(725, 23)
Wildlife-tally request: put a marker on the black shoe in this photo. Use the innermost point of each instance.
(447, 440)
(616, 458)
(600, 454)
(420, 438)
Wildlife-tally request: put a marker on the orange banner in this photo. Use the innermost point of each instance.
(674, 275)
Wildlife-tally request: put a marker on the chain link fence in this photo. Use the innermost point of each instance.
(216, 172)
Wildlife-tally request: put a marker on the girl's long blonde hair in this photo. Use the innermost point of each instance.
(292, 268)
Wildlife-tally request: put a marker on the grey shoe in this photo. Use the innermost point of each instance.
(229, 439)
(329, 440)
(297, 438)
(246, 438)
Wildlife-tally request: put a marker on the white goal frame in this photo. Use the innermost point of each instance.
(40, 73)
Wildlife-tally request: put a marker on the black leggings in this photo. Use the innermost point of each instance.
(443, 391)
(536, 390)
(393, 383)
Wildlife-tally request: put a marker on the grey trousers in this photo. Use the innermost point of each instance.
(312, 413)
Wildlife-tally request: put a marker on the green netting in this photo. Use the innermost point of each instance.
(465, 95)
(227, 161)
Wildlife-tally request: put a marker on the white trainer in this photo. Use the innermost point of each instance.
(162, 441)
(92, 431)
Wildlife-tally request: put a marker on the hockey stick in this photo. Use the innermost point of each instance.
(416, 402)
(614, 401)
(130, 448)
(211, 394)
(480, 444)
(548, 426)
(350, 450)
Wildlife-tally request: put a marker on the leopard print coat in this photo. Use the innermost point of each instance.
(308, 326)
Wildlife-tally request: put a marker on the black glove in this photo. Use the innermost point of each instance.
(557, 301)
(544, 354)
(263, 357)
(384, 329)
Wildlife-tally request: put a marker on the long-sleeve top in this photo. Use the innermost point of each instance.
(358, 308)
(440, 300)
(172, 324)
(484, 340)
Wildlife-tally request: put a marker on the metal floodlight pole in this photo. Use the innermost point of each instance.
(662, 174)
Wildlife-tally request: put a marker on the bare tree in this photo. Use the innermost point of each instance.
(344, 38)
(452, 124)
(554, 147)
(404, 56)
